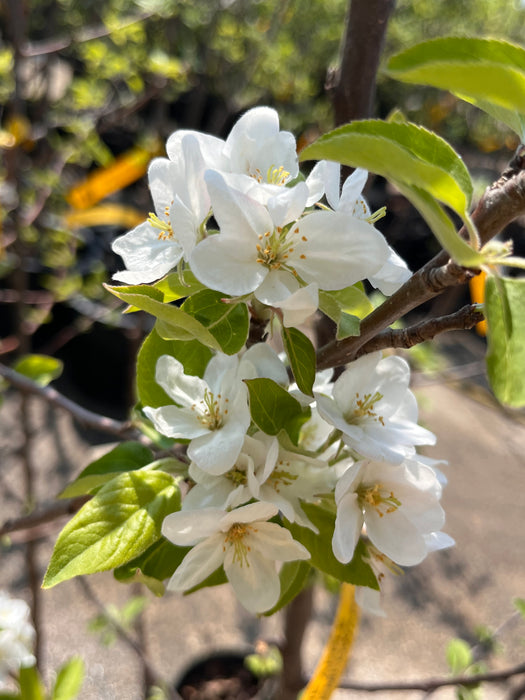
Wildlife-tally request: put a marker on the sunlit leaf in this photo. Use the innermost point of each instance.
(488, 73)
(505, 312)
(42, 369)
(116, 525)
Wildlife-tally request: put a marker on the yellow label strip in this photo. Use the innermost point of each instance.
(124, 170)
(477, 295)
(337, 650)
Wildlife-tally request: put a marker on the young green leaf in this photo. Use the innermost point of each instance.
(228, 323)
(442, 226)
(271, 406)
(174, 288)
(153, 566)
(401, 152)
(121, 521)
(489, 73)
(294, 575)
(176, 323)
(193, 355)
(459, 655)
(69, 680)
(505, 311)
(31, 686)
(125, 457)
(319, 545)
(42, 369)
(301, 355)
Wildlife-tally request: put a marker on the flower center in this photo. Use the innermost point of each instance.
(237, 476)
(281, 477)
(364, 407)
(274, 175)
(382, 501)
(274, 248)
(209, 411)
(164, 227)
(235, 538)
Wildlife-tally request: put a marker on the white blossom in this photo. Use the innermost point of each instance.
(270, 252)
(242, 541)
(374, 409)
(266, 472)
(16, 636)
(182, 206)
(324, 180)
(212, 412)
(398, 504)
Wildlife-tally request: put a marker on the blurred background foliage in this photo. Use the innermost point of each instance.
(92, 90)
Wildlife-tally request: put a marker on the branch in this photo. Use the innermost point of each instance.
(464, 319)
(49, 46)
(501, 203)
(41, 517)
(434, 683)
(354, 91)
(82, 415)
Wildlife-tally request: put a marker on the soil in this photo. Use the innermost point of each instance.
(221, 677)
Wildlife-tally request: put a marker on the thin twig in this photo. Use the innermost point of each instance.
(432, 684)
(464, 319)
(43, 516)
(50, 46)
(122, 429)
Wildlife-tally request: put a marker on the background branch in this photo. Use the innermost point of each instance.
(88, 418)
(435, 683)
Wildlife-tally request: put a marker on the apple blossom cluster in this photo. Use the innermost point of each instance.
(16, 636)
(272, 244)
(350, 450)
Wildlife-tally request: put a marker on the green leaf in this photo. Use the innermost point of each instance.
(505, 312)
(272, 407)
(42, 369)
(519, 604)
(153, 566)
(174, 288)
(175, 323)
(351, 300)
(401, 152)
(301, 355)
(319, 545)
(193, 355)
(488, 73)
(128, 456)
(294, 576)
(120, 522)
(69, 680)
(228, 323)
(348, 325)
(31, 687)
(459, 656)
(442, 227)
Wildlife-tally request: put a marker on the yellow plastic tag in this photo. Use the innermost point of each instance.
(337, 650)
(477, 295)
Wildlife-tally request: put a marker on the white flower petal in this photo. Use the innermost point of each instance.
(394, 535)
(185, 528)
(176, 422)
(338, 251)
(217, 451)
(348, 526)
(228, 265)
(255, 582)
(198, 564)
(276, 542)
(184, 389)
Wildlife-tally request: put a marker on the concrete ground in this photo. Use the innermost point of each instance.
(449, 595)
